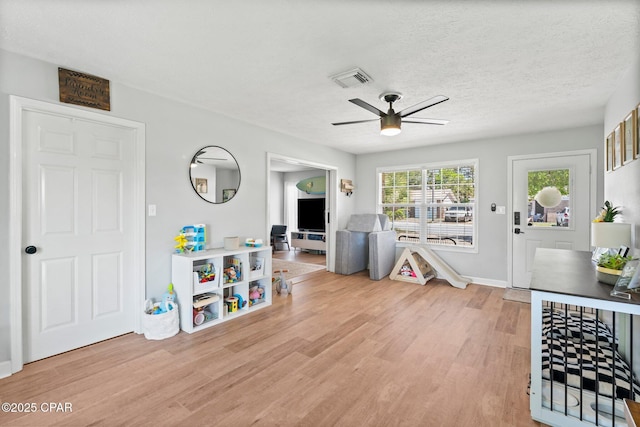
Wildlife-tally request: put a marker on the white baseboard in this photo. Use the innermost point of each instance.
(5, 369)
(488, 282)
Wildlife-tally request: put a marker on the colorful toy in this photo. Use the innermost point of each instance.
(207, 273)
(167, 297)
(158, 307)
(231, 275)
(232, 304)
(198, 316)
(256, 293)
(181, 241)
(254, 243)
(196, 237)
(241, 302)
(233, 272)
(405, 270)
(204, 308)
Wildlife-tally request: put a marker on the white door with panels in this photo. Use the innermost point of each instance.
(78, 218)
(552, 206)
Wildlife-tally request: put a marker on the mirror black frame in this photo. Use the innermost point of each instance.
(192, 179)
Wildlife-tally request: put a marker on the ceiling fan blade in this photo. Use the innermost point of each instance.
(422, 105)
(357, 121)
(212, 158)
(369, 107)
(427, 121)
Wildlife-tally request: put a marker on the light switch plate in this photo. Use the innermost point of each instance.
(501, 210)
(152, 210)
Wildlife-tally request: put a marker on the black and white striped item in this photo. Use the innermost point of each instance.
(573, 327)
(588, 355)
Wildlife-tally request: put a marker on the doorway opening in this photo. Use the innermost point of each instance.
(309, 242)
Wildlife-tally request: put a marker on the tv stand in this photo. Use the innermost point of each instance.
(312, 240)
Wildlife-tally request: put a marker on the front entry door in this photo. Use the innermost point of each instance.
(78, 180)
(537, 221)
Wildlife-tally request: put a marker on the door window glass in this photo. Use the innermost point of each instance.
(548, 203)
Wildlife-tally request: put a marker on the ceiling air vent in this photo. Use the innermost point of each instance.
(351, 78)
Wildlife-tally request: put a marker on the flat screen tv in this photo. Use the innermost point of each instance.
(311, 214)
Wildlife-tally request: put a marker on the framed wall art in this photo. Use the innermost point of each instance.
(201, 185)
(617, 146)
(629, 137)
(228, 193)
(608, 152)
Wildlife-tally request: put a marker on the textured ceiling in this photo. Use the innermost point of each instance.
(507, 66)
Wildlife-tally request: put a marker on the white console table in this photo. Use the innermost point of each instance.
(301, 240)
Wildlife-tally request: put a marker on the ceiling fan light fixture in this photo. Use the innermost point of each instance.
(390, 125)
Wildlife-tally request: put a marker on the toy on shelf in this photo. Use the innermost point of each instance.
(233, 272)
(207, 273)
(202, 308)
(181, 243)
(256, 294)
(234, 303)
(192, 238)
(253, 243)
(203, 315)
(241, 302)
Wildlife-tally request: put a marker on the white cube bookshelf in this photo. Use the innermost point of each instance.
(191, 284)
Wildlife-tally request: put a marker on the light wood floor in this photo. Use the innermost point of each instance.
(342, 350)
(300, 256)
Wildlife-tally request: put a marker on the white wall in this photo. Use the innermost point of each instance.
(276, 193)
(174, 132)
(490, 262)
(622, 186)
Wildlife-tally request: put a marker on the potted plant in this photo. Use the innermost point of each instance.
(608, 236)
(610, 267)
(608, 213)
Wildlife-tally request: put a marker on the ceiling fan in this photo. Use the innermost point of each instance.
(390, 121)
(198, 159)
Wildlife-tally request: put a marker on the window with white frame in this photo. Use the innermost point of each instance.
(431, 204)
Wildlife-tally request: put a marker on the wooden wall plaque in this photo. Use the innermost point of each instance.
(84, 89)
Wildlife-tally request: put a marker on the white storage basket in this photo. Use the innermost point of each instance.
(163, 325)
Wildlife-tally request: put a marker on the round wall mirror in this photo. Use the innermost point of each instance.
(214, 174)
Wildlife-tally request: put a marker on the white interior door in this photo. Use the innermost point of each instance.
(78, 178)
(563, 226)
